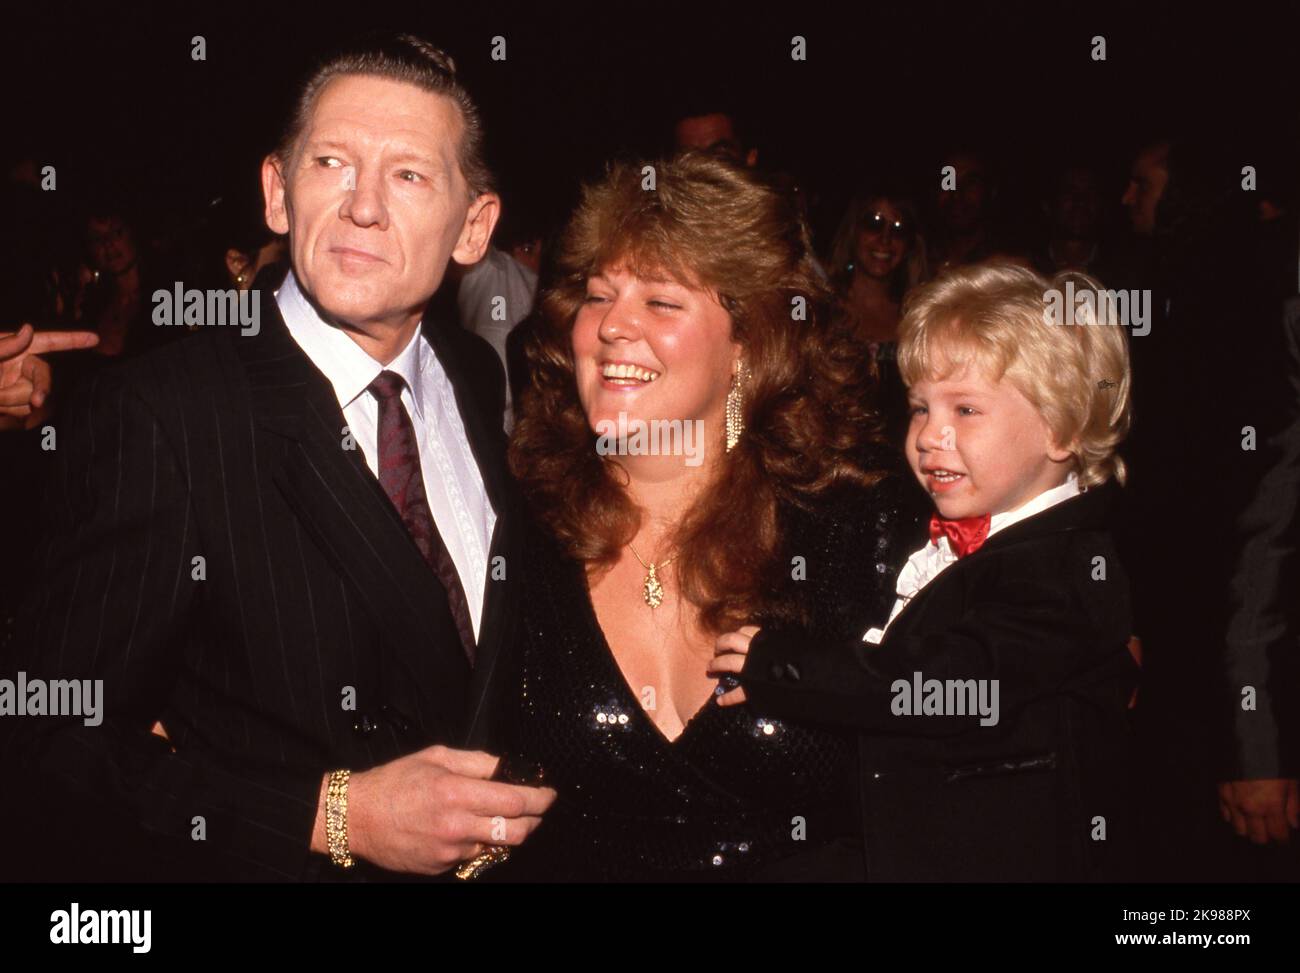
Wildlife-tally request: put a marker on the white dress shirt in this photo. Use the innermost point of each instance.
(930, 561)
(452, 481)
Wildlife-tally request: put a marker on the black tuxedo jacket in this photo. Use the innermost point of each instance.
(225, 565)
(944, 798)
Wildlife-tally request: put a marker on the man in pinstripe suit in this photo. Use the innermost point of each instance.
(292, 549)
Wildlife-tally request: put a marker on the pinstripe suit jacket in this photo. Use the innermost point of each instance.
(225, 565)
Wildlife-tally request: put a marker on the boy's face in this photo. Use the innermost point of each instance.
(980, 447)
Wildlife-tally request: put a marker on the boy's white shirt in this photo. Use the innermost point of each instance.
(930, 561)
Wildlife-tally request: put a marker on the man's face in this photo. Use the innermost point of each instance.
(1078, 205)
(375, 203)
(1147, 182)
(962, 209)
(978, 446)
(713, 133)
(112, 248)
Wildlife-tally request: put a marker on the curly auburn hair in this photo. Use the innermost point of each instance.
(711, 225)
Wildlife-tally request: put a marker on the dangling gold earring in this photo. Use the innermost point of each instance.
(735, 406)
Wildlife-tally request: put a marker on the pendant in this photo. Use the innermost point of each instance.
(652, 590)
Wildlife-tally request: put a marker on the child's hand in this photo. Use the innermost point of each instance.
(729, 658)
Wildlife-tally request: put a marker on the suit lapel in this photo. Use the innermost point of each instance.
(342, 505)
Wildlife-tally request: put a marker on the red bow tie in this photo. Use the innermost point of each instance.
(965, 536)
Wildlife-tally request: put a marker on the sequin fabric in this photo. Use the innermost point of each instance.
(739, 794)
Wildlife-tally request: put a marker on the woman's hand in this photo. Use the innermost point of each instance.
(729, 658)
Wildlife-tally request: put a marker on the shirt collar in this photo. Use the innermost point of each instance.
(1048, 498)
(943, 552)
(340, 359)
(410, 365)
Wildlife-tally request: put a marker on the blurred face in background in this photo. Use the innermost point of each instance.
(529, 253)
(884, 239)
(963, 210)
(653, 349)
(1077, 207)
(243, 268)
(716, 133)
(111, 244)
(1147, 182)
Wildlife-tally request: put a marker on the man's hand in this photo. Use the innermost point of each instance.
(25, 377)
(1261, 810)
(729, 658)
(431, 810)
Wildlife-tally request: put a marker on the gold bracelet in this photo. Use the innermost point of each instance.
(336, 819)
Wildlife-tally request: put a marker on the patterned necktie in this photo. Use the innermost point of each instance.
(966, 535)
(402, 479)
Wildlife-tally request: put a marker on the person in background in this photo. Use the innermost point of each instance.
(1148, 179)
(528, 252)
(114, 286)
(1260, 798)
(1212, 331)
(247, 249)
(964, 215)
(493, 297)
(1073, 211)
(232, 248)
(878, 254)
(714, 128)
(710, 125)
(1260, 795)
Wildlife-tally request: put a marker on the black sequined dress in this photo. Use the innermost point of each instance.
(736, 796)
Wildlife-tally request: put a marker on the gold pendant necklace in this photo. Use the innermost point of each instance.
(651, 588)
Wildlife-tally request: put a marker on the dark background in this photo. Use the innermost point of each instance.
(114, 101)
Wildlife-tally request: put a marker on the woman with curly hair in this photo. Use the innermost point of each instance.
(697, 453)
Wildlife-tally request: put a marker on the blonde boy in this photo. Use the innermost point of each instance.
(991, 703)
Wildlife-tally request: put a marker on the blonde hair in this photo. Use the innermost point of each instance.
(998, 317)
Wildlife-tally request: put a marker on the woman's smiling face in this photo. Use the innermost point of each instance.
(883, 239)
(653, 349)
